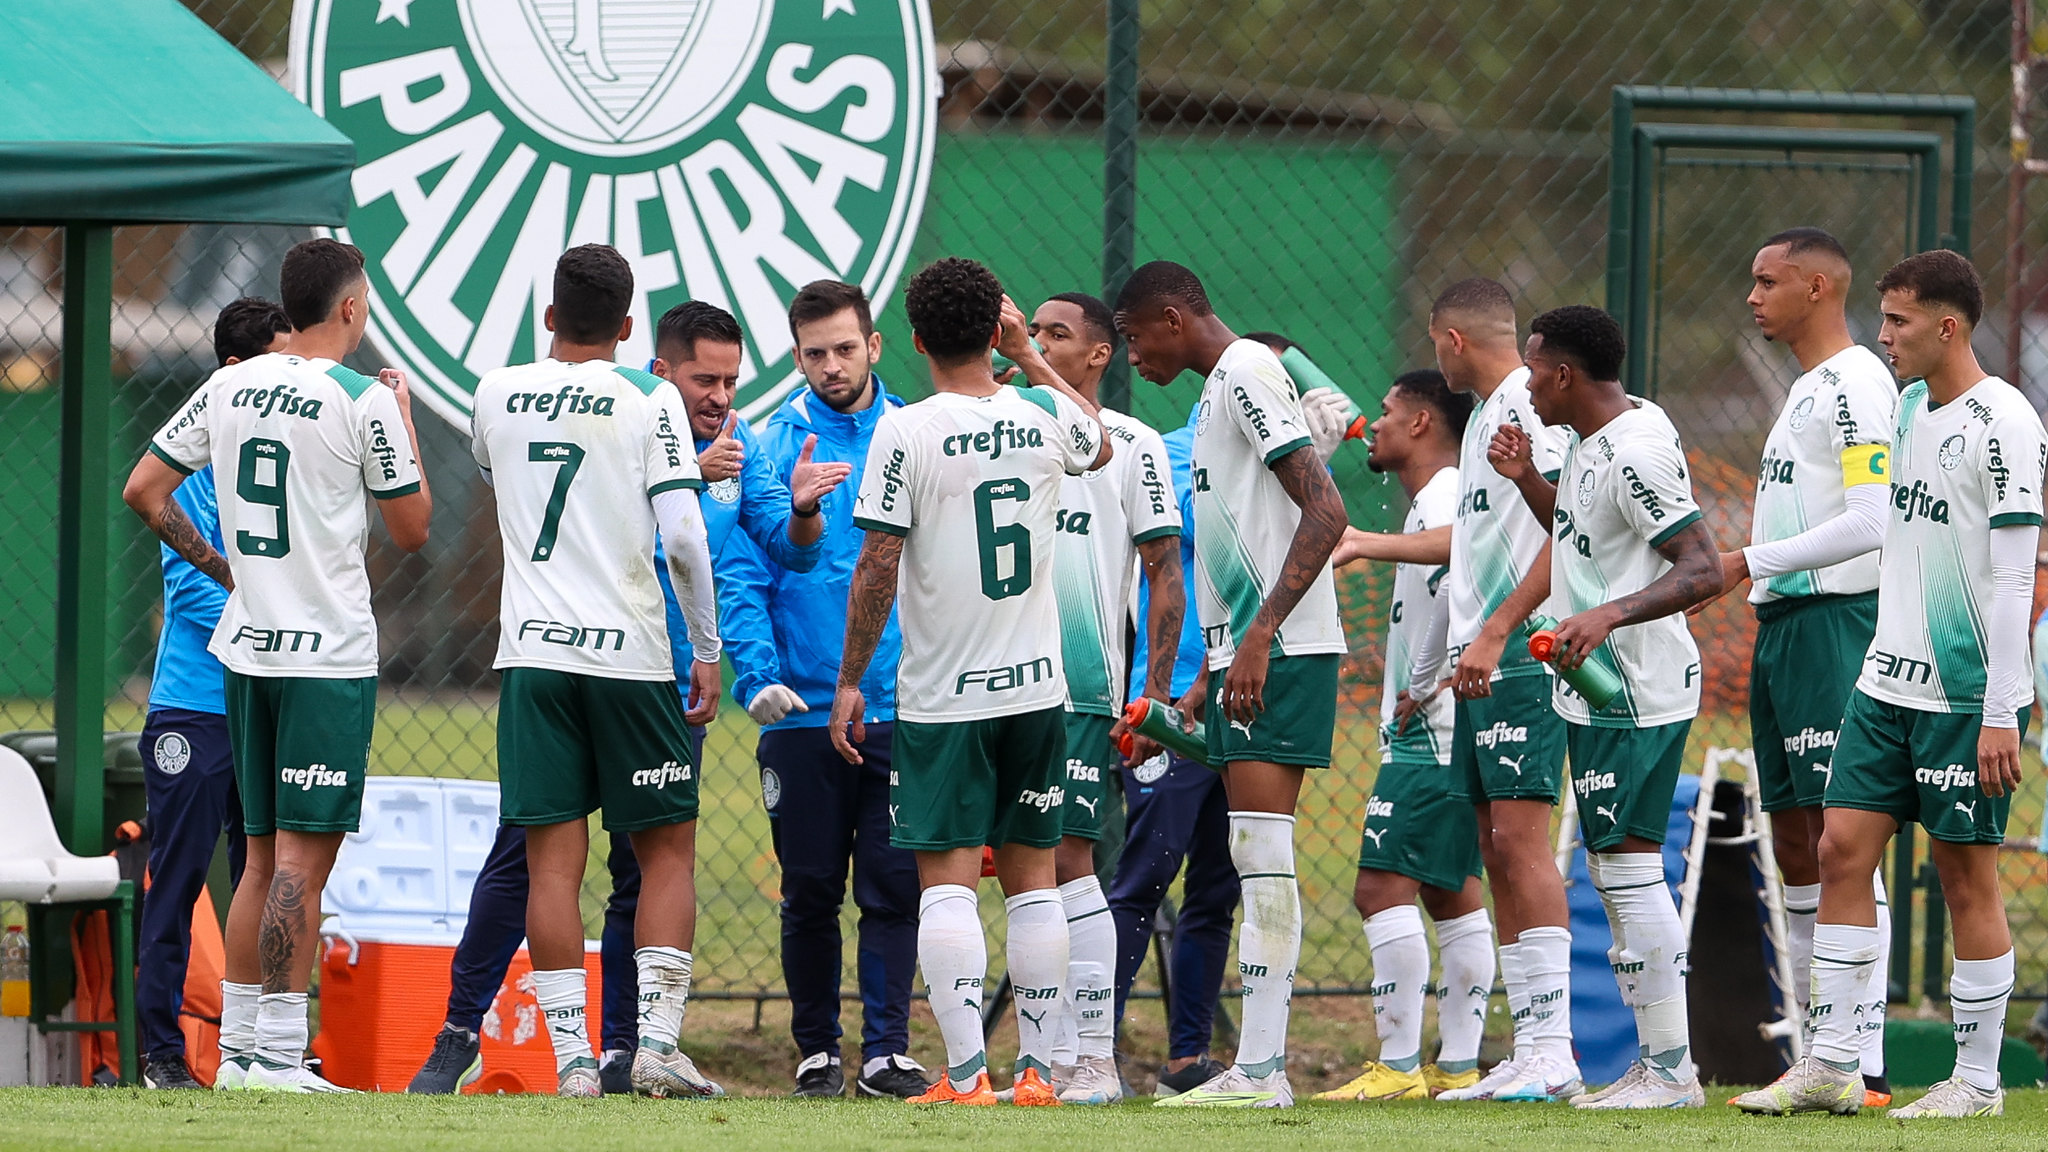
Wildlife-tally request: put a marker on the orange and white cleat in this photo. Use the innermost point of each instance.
(981, 1095)
(1031, 1091)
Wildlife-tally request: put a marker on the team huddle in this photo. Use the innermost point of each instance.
(995, 537)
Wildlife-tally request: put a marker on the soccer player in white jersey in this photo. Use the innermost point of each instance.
(296, 441)
(1507, 742)
(960, 500)
(1267, 517)
(1419, 840)
(1109, 522)
(1628, 555)
(1932, 731)
(1820, 499)
(589, 459)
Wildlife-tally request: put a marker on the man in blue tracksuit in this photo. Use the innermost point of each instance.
(1177, 811)
(188, 769)
(780, 515)
(783, 633)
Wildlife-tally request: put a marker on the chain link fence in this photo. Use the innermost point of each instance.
(1326, 168)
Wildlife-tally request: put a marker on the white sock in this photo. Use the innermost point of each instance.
(1843, 955)
(1514, 975)
(1877, 993)
(1625, 969)
(561, 994)
(1036, 946)
(238, 1019)
(1269, 942)
(1547, 963)
(281, 1028)
(1091, 967)
(1802, 904)
(1978, 992)
(953, 955)
(1400, 968)
(664, 995)
(1466, 945)
(1654, 946)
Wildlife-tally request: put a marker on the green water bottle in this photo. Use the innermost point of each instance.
(1310, 378)
(1595, 682)
(1163, 724)
(1000, 363)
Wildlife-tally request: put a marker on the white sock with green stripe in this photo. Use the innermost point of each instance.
(1843, 955)
(1654, 959)
(1400, 968)
(1036, 947)
(1466, 945)
(281, 1029)
(1547, 966)
(562, 994)
(238, 1006)
(1802, 904)
(1877, 989)
(1269, 941)
(1091, 967)
(953, 955)
(664, 994)
(1978, 993)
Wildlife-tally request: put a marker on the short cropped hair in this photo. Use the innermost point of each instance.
(317, 273)
(1101, 322)
(246, 327)
(1587, 335)
(1163, 282)
(1803, 239)
(1273, 340)
(1939, 277)
(593, 293)
(1476, 295)
(954, 306)
(682, 326)
(1427, 386)
(822, 298)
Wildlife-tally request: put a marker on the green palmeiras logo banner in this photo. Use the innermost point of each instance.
(732, 150)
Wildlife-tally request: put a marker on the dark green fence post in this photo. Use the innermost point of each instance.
(1120, 178)
(82, 535)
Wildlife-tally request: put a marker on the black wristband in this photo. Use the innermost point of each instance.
(811, 515)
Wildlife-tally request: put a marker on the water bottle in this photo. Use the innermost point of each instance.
(1310, 378)
(14, 972)
(1593, 681)
(999, 363)
(1163, 723)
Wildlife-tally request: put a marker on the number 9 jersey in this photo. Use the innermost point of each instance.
(973, 484)
(295, 444)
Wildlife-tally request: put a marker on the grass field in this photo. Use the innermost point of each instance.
(115, 1119)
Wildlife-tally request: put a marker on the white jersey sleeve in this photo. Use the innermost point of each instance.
(1079, 434)
(185, 442)
(2015, 455)
(1147, 496)
(884, 503)
(669, 462)
(1266, 407)
(391, 466)
(1658, 489)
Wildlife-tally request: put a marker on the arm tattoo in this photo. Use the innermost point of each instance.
(175, 528)
(868, 603)
(284, 920)
(1695, 575)
(1308, 483)
(1169, 606)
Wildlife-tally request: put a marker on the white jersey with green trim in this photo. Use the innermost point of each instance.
(1837, 422)
(1249, 417)
(1621, 494)
(1958, 471)
(1496, 538)
(576, 453)
(1416, 587)
(295, 445)
(973, 484)
(1103, 516)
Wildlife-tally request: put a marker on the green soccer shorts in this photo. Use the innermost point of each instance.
(302, 748)
(1624, 779)
(1809, 651)
(1092, 763)
(1415, 827)
(994, 781)
(1299, 725)
(1917, 767)
(1510, 745)
(570, 745)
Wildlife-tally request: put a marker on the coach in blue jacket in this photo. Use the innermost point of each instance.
(783, 633)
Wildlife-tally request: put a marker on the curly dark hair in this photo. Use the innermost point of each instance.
(1163, 282)
(1585, 334)
(954, 306)
(593, 293)
(1938, 277)
(676, 336)
(246, 327)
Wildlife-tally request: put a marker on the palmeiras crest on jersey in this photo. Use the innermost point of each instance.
(731, 150)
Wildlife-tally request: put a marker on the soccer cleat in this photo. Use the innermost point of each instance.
(1636, 1071)
(1877, 1091)
(901, 1077)
(1091, 1080)
(978, 1096)
(168, 1072)
(294, 1079)
(1952, 1099)
(1031, 1091)
(1440, 1081)
(615, 1072)
(580, 1080)
(1203, 1070)
(1502, 1074)
(1809, 1085)
(233, 1075)
(455, 1062)
(670, 1073)
(1234, 1088)
(1381, 1082)
(820, 1075)
(1649, 1090)
(1542, 1080)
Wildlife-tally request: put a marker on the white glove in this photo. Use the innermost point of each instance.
(772, 703)
(1327, 416)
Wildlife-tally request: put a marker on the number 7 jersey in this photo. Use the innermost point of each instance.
(295, 444)
(576, 453)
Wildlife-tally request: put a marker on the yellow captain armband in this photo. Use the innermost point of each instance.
(1866, 464)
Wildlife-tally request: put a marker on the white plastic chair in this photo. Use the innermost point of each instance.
(35, 867)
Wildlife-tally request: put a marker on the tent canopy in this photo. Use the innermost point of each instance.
(136, 112)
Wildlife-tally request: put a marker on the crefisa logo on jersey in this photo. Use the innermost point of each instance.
(731, 150)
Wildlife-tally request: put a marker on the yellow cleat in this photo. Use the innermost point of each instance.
(1440, 1081)
(1379, 1082)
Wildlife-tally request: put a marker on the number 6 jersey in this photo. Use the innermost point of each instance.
(294, 445)
(973, 484)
